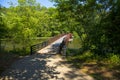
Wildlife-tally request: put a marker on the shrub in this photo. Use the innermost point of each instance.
(113, 59)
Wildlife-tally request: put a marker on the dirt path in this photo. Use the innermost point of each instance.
(46, 65)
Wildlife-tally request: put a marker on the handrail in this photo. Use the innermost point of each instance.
(39, 46)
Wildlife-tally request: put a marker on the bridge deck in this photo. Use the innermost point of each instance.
(48, 66)
(52, 47)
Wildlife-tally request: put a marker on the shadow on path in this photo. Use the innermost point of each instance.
(31, 68)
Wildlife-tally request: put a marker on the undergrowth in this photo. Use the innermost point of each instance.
(110, 59)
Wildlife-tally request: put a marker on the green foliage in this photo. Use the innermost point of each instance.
(27, 21)
(75, 34)
(56, 33)
(3, 29)
(95, 21)
(113, 59)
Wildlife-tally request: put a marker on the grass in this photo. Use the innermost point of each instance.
(100, 67)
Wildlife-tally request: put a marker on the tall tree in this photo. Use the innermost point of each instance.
(93, 21)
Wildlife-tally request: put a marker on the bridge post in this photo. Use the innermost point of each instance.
(64, 51)
(31, 52)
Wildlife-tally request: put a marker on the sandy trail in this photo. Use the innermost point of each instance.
(45, 65)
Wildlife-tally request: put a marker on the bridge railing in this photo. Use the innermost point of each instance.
(36, 47)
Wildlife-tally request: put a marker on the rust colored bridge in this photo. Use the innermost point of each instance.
(37, 47)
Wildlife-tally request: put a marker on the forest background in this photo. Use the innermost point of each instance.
(95, 22)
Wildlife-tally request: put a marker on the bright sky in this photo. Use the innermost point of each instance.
(45, 3)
